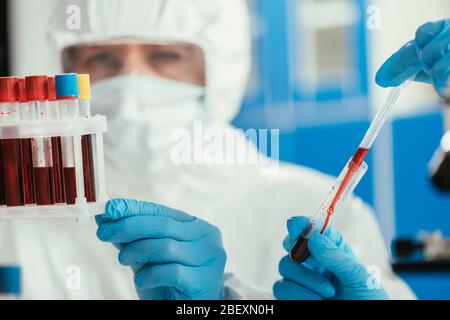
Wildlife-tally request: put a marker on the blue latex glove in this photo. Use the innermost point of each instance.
(428, 55)
(173, 255)
(331, 272)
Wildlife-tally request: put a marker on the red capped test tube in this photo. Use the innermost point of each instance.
(11, 156)
(58, 171)
(26, 114)
(37, 94)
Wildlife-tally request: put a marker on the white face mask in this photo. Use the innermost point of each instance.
(142, 113)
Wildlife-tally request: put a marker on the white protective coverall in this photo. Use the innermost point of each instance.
(250, 208)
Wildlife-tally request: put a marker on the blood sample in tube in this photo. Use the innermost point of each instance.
(26, 114)
(86, 140)
(37, 94)
(2, 182)
(67, 95)
(88, 168)
(70, 184)
(58, 172)
(27, 169)
(11, 150)
(12, 172)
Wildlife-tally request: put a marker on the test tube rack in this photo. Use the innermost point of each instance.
(95, 126)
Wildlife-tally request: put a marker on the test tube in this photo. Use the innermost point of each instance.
(87, 146)
(343, 187)
(67, 95)
(10, 282)
(26, 114)
(4, 99)
(2, 180)
(58, 171)
(37, 94)
(10, 148)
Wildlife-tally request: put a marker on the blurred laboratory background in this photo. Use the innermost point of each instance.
(313, 78)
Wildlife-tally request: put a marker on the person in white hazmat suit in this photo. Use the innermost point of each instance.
(148, 96)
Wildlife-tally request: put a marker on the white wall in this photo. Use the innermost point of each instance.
(30, 51)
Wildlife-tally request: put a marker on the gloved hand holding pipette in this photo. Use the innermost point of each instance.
(174, 256)
(428, 56)
(331, 272)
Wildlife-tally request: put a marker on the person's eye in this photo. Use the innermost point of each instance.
(164, 56)
(104, 59)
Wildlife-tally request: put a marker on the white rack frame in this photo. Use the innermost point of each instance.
(75, 128)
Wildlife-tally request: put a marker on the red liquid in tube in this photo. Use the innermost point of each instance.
(28, 174)
(2, 181)
(58, 172)
(86, 140)
(11, 149)
(12, 172)
(71, 184)
(68, 106)
(359, 156)
(27, 156)
(37, 90)
(357, 160)
(300, 252)
(88, 168)
(44, 185)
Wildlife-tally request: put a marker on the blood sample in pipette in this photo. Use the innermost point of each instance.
(26, 114)
(339, 193)
(37, 94)
(354, 165)
(360, 155)
(86, 140)
(351, 175)
(58, 172)
(11, 149)
(300, 251)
